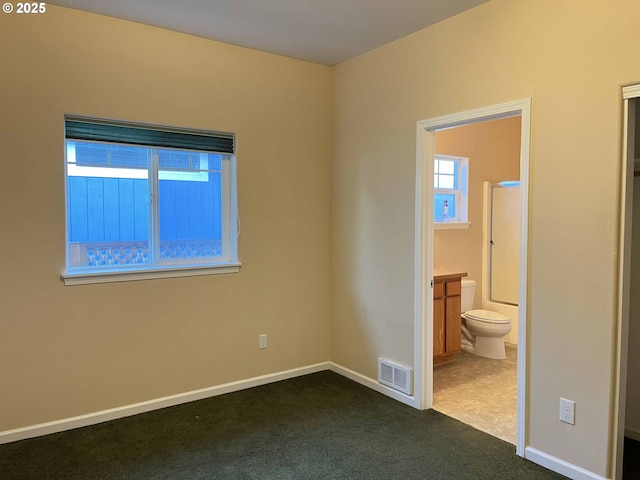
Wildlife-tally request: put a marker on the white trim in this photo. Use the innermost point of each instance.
(523, 280)
(178, 399)
(451, 225)
(150, 405)
(493, 112)
(154, 209)
(423, 303)
(624, 279)
(632, 433)
(559, 466)
(148, 273)
(227, 197)
(631, 91)
(372, 384)
(423, 269)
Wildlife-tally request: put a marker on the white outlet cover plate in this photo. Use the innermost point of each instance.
(567, 411)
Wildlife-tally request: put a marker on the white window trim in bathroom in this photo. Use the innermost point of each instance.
(451, 225)
(461, 222)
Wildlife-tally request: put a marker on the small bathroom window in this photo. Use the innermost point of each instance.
(451, 183)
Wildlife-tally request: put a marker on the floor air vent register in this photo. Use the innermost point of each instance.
(394, 376)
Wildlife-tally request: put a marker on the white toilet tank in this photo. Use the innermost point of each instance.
(468, 292)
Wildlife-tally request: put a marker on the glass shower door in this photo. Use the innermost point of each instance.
(504, 244)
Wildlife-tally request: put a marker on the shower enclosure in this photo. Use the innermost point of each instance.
(501, 250)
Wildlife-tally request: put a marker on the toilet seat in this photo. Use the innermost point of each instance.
(487, 316)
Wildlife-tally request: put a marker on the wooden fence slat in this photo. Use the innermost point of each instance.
(113, 210)
(141, 209)
(111, 201)
(127, 203)
(95, 209)
(78, 209)
(167, 210)
(182, 211)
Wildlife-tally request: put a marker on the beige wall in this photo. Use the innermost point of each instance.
(72, 350)
(493, 149)
(572, 62)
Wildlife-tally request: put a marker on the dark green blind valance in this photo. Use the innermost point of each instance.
(152, 136)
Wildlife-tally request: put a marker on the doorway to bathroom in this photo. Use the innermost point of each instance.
(626, 441)
(478, 387)
(449, 249)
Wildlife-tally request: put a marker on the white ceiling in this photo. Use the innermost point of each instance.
(321, 31)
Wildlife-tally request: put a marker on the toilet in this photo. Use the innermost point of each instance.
(483, 331)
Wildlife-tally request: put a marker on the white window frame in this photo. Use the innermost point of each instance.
(461, 220)
(160, 268)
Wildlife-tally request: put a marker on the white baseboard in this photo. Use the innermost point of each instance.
(136, 408)
(632, 433)
(559, 466)
(532, 454)
(372, 384)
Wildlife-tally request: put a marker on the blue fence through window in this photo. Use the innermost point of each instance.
(109, 219)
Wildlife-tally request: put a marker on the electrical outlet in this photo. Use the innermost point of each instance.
(567, 411)
(262, 341)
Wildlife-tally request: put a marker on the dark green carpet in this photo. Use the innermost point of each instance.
(319, 426)
(631, 465)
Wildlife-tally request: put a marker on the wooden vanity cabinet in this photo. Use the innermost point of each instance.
(446, 316)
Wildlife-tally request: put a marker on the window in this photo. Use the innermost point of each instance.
(147, 202)
(450, 182)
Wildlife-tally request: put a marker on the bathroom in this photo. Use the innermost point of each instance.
(460, 386)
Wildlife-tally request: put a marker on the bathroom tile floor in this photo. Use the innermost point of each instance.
(480, 392)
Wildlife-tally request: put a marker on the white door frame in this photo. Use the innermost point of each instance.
(423, 307)
(624, 275)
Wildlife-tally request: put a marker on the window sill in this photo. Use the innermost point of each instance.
(148, 273)
(451, 225)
